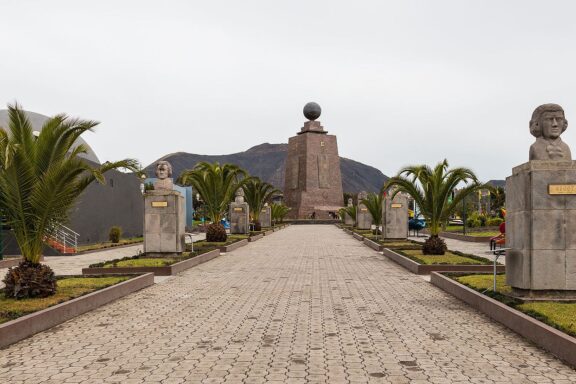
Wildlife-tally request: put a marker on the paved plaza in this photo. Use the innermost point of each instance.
(308, 304)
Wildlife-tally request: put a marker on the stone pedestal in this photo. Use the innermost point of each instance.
(363, 217)
(164, 222)
(541, 228)
(266, 217)
(239, 218)
(348, 220)
(395, 217)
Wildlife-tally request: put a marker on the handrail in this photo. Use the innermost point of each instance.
(64, 237)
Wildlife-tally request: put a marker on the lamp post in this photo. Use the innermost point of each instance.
(142, 186)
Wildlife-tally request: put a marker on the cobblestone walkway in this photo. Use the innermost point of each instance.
(308, 304)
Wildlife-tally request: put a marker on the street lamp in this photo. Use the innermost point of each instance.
(142, 186)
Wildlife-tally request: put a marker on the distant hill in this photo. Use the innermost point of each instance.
(497, 183)
(267, 161)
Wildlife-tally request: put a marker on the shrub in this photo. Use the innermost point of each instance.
(473, 222)
(216, 233)
(494, 221)
(115, 234)
(29, 280)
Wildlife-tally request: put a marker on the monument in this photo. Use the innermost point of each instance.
(363, 217)
(164, 216)
(312, 183)
(239, 214)
(349, 220)
(266, 216)
(541, 213)
(395, 217)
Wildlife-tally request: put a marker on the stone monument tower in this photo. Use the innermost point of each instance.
(541, 213)
(313, 184)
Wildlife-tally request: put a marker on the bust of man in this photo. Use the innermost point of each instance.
(164, 175)
(239, 196)
(350, 202)
(547, 124)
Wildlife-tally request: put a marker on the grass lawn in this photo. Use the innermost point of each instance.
(559, 315)
(449, 257)
(473, 231)
(485, 233)
(143, 261)
(68, 288)
(152, 262)
(229, 240)
(109, 244)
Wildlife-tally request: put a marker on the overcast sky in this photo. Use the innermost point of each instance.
(399, 82)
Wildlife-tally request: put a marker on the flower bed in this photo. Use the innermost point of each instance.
(415, 262)
(160, 266)
(232, 242)
(548, 324)
(379, 245)
(75, 295)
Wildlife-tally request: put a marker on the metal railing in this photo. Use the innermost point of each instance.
(64, 237)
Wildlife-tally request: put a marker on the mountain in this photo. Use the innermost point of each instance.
(267, 161)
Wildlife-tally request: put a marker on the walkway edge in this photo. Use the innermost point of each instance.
(545, 336)
(26, 326)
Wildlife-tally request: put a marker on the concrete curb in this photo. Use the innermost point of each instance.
(471, 239)
(157, 271)
(545, 336)
(421, 269)
(374, 245)
(26, 326)
(233, 246)
(255, 237)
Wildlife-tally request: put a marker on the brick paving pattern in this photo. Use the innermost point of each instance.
(308, 304)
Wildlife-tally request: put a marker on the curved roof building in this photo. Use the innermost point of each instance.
(37, 120)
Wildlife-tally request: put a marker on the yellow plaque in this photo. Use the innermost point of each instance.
(396, 205)
(239, 209)
(159, 204)
(363, 209)
(562, 189)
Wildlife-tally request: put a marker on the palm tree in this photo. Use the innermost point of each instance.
(432, 189)
(257, 193)
(278, 212)
(217, 185)
(41, 177)
(373, 203)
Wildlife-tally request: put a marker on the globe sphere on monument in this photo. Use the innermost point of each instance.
(312, 111)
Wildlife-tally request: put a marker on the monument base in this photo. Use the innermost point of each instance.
(395, 218)
(543, 295)
(541, 227)
(164, 220)
(160, 255)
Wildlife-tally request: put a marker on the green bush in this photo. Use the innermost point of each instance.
(115, 234)
(494, 221)
(473, 222)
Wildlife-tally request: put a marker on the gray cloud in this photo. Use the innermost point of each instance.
(399, 82)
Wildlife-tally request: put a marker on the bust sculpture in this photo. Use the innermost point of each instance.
(547, 124)
(239, 196)
(350, 202)
(164, 175)
(362, 195)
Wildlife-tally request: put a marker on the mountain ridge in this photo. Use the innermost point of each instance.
(267, 161)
